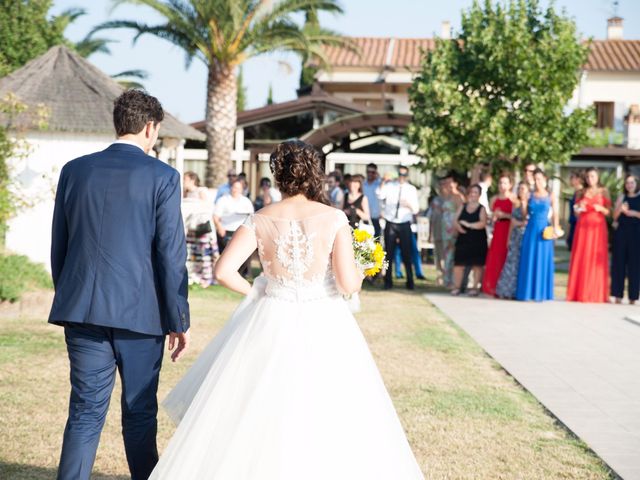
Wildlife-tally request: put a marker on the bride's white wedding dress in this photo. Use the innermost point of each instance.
(288, 389)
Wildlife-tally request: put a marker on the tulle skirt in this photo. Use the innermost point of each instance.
(286, 391)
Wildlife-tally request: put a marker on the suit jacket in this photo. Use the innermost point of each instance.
(118, 250)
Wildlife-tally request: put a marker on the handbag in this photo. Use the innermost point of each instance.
(202, 229)
(549, 233)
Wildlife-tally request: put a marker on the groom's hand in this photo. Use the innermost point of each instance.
(183, 343)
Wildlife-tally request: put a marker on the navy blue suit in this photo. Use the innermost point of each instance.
(118, 264)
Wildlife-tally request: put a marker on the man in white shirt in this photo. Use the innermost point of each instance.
(230, 212)
(225, 188)
(370, 189)
(400, 204)
(485, 179)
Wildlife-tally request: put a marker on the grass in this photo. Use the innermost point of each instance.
(464, 416)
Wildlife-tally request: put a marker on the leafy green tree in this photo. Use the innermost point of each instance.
(223, 34)
(309, 69)
(13, 146)
(498, 92)
(26, 32)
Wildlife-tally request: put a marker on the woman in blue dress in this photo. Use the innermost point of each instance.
(535, 274)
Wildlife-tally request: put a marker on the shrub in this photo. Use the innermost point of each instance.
(18, 274)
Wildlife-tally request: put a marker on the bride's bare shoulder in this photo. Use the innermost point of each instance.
(295, 211)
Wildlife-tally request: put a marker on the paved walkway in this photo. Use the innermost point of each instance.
(581, 361)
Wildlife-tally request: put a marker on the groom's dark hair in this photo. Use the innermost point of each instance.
(133, 109)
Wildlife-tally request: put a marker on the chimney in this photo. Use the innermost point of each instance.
(445, 30)
(614, 28)
(632, 127)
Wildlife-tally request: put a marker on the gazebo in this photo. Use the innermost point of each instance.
(77, 99)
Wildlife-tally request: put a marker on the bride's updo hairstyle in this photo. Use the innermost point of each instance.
(297, 169)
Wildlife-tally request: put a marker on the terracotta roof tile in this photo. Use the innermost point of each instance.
(605, 55)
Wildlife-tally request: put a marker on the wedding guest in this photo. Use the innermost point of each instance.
(577, 183)
(508, 281)
(435, 214)
(225, 188)
(370, 189)
(346, 182)
(626, 244)
(529, 175)
(201, 242)
(536, 269)
(485, 181)
(589, 264)
(416, 257)
(266, 195)
(356, 204)
(400, 200)
(245, 183)
(471, 244)
(452, 201)
(230, 212)
(501, 207)
(335, 192)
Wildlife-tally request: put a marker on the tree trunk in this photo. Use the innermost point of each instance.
(221, 116)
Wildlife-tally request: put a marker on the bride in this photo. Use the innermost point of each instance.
(288, 390)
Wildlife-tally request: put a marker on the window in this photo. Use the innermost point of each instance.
(604, 114)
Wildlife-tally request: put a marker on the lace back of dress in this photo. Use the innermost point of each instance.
(296, 254)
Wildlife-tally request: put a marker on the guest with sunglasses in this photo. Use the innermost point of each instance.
(225, 188)
(400, 200)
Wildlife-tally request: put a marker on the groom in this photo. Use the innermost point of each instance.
(118, 264)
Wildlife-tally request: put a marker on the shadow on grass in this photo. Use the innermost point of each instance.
(17, 471)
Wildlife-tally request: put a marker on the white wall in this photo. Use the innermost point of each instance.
(30, 231)
(619, 87)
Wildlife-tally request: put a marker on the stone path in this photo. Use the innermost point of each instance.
(581, 361)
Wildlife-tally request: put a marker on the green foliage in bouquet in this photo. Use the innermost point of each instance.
(498, 92)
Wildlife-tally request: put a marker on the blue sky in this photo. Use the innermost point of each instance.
(182, 92)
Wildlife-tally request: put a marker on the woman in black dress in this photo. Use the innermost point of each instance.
(356, 205)
(626, 245)
(471, 244)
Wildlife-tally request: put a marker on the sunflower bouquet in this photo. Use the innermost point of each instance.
(369, 254)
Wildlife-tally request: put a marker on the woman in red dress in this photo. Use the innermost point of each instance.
(589, 265)
(501, 207)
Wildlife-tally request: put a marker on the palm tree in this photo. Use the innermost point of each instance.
(90, 45)
(224, 34)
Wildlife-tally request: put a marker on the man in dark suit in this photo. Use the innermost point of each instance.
(118, 264)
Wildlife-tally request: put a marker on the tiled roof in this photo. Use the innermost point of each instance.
(79, 97)
(614, 56)
(605, 55)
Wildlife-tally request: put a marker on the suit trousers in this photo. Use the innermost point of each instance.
(95, 354)
(401, 232)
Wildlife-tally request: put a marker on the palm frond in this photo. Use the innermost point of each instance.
(90, 45)
(68, 16)
(136, 73)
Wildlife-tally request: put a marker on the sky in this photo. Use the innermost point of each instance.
(182, 91)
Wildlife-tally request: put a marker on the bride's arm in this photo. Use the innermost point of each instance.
(241, 246)
(348, 277)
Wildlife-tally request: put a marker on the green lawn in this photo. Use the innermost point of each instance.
(464, 416)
